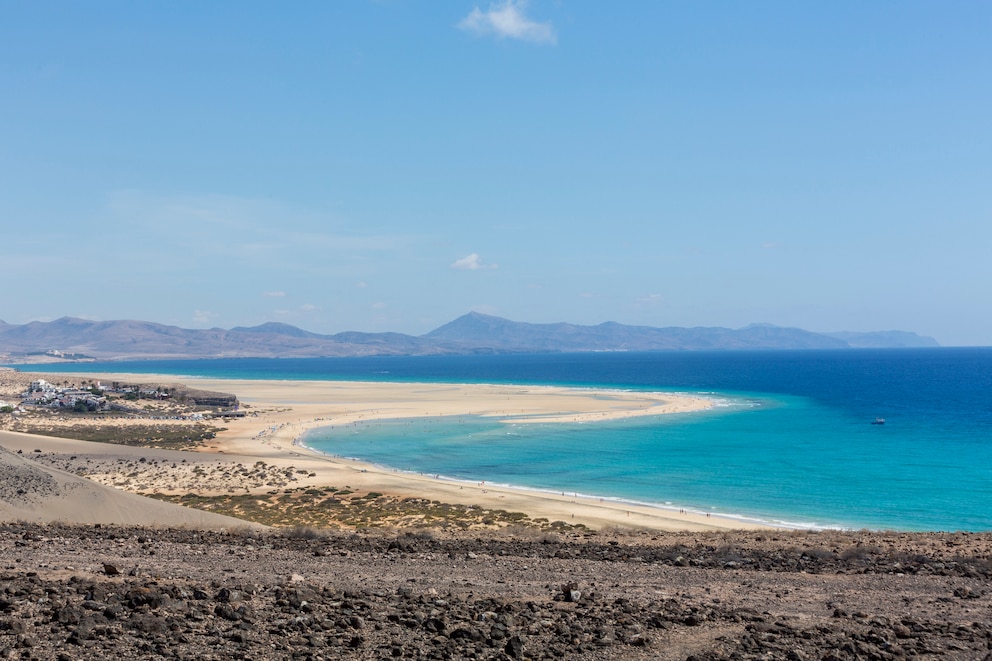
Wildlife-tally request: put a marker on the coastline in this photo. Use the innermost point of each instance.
(279, 413)
(621, 592)
(617, 505)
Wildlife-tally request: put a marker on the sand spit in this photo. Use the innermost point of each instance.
(277, 413)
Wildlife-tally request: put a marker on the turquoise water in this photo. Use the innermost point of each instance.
(791, 443)
(775, 460)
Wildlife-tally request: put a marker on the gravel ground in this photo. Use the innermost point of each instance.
(103, 592)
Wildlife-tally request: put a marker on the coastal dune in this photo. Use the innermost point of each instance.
(33, 492)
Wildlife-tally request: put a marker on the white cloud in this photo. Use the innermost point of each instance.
(308, 307)
(379, 306)
(274, 294)
(507, 20)
(472, 263)
(650, 303)
(202, 316)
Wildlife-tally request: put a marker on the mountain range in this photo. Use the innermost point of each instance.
(73, 338)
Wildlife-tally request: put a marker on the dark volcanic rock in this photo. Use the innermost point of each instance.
(777, 595)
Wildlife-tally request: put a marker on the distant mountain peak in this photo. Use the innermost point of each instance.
(274, 328)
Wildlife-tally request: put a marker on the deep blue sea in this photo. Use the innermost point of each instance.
(791, 442)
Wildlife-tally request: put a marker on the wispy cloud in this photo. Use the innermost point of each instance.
(508, 20)
(202, 316)
(472, 263)
(274, 294)
(651, 299)
(207, 230)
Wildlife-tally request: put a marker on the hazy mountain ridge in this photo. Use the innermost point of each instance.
(883, 339)
(477, 330)
(470, 333)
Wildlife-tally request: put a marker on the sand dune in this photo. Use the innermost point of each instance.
(40, 494)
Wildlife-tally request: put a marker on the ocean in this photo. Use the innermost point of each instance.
(790, 442)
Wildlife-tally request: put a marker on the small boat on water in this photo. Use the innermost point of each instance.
(878, 421)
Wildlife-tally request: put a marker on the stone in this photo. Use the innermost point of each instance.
(514, 648)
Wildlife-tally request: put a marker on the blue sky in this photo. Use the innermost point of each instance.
(391, 165)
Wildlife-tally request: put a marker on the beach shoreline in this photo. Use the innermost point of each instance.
(276, 415)
(330, 403)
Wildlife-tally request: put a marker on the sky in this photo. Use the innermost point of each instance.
(390, 165)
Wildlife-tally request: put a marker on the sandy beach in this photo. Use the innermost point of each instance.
(277, 413)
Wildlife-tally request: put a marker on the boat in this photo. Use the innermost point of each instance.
(878, 421)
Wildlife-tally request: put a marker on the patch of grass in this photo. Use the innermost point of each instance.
(170, 436)
(316, 509)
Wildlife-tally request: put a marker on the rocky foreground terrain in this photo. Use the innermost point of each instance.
(99, 592)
